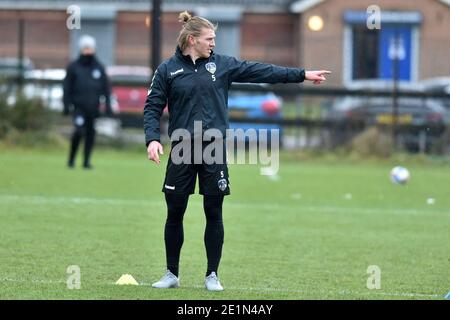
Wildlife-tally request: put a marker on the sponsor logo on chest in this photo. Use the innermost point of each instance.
(177, 72)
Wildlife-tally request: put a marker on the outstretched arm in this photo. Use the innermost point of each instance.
(257, 72)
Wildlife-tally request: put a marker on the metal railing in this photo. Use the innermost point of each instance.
(298, 124)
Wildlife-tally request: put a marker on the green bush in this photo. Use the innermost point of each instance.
(442, 145)
(30, 114)
(25, 122)
(5, 125)
(43, 139)
(373, 143)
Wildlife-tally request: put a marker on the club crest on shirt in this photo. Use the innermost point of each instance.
(211, 67)
(222, 184)
(96, 74)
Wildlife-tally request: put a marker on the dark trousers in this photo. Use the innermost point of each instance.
(84, 128)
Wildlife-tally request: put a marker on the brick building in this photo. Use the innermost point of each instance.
(347, 45)
(328, 34)
(258, 29)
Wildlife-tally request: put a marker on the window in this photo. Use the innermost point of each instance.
(381, 54)
(365, 53)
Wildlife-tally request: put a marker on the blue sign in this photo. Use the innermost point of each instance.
(395, 43)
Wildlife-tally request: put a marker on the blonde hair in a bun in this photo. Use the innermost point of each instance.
(191, 26)
(184, 17)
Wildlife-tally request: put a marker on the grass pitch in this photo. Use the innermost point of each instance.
(310, 234)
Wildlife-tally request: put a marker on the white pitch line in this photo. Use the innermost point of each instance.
(343, 292)
(43, 281)
(253, 289)
(75, 200)
(266, 206)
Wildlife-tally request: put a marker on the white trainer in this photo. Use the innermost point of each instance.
(212, 282)
(169, 280)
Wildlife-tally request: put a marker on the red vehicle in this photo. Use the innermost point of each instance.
(128, 90)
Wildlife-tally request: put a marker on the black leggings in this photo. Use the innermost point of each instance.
(174, 235)
(87, 130)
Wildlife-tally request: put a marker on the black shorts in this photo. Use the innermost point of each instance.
(181, 177)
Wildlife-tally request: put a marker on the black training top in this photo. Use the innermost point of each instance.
(84, 84)
(199, 92)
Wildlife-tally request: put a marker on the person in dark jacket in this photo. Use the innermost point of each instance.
(194, 84)
(84, 85)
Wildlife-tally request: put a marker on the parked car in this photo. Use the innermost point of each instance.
(379, 110)
(129, 87)
(246, 106)
(369, 110)
(9, 72)
(9, 66)
(128, 90)
(46, 84)
(440, 85)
